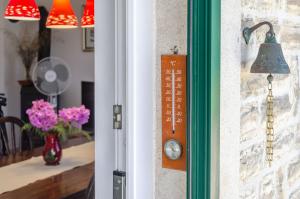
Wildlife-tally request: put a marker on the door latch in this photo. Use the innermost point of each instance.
(117, 116)
(119, 181)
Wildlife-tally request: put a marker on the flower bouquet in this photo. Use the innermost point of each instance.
(45, 122)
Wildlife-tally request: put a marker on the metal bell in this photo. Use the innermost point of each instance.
(270, 59)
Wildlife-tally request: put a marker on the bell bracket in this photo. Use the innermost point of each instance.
(270, 35)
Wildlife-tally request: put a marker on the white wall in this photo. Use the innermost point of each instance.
(66, 44)
(230, 99)
(12, 66)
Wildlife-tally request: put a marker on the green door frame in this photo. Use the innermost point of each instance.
(204, 97)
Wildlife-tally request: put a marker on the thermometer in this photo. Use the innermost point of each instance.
(173, 76)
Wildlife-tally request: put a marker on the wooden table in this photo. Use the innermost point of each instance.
(69, 184)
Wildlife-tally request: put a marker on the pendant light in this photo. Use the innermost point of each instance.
(62, 15)
(87, 20)
(26, 10)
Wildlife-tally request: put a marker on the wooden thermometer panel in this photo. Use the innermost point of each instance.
(173, 76)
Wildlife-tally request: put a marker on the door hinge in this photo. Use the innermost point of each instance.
(117, 116)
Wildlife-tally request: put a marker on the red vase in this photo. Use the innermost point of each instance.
(52, 151)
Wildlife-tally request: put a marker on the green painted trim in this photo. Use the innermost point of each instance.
(215, 74)
(204, 94)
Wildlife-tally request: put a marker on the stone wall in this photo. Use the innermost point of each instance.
(257, 179)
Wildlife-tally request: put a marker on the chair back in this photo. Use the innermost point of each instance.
(90, 192)
(12, 137)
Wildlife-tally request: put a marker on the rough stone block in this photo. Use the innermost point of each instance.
(293, 7)
(283, 142)
(297, 137)
(289, 37)
(279, 189)
(249, 193)
(281, 180)
(264, 6)
(267, 190)
(295, 194)
(293, 172)
(251, 161)
(249, 118)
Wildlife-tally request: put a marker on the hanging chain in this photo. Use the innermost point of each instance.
(270, 122)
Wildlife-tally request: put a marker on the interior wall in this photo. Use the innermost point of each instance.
(171, 30)
(2, 87)
(66, 44)
(1, 52)
(257, 179)
(13, 69)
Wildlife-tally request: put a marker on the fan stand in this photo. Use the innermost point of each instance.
(53, 100)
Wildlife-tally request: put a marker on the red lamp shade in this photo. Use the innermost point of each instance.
(22, 10)
(87, 20)
(62, 15)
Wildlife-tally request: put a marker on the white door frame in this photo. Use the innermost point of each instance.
(140, 98)
(104, 97)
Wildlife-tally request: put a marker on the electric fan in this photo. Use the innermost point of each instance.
(51, 76)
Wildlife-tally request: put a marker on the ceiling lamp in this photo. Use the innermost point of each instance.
(26, 10)
(62, 15)
(87, 20)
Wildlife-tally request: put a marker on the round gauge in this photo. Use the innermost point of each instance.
(173, 149)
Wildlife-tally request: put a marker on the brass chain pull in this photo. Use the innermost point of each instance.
(270, 123)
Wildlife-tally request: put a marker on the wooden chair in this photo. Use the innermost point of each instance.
(90, 192)
(9, 136)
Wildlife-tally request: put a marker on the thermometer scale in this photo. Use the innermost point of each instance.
(174, 111)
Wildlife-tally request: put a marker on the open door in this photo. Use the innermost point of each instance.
(110, 94)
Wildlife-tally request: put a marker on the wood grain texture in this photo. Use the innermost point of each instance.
(65, 185)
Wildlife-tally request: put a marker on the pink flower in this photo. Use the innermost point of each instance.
(76, 115)
(42, 115)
